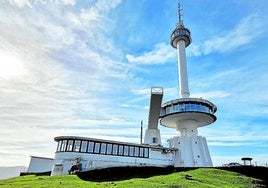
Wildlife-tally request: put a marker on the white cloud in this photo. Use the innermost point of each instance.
(21, 3)
(160, 54)
(40, 96)
(211, 94)
(67, 2)
(245, 32)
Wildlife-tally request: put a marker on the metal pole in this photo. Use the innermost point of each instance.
(141, 131)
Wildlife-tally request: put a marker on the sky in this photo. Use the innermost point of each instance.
(85, 68)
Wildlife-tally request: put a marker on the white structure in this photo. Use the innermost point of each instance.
(40, 164)
(185, 114)
(152, 133)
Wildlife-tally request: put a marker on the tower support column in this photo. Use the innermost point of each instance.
(187, 128)
(182, 70)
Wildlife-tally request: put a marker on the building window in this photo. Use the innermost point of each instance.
(90, 147)
(115, 149)
(59, 145)
(131, 151)
(120, 150)
(97, 147)
(146, 152)
(136, 152)
(141, 152)
(77, 144)
(109, 149)
(70, 145)
(103, 148)
(63, 145)
(126, 150)
(84, 146)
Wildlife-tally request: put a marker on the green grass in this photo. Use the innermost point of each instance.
(202, 177)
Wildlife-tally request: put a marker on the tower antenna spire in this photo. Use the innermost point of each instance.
(180, 14)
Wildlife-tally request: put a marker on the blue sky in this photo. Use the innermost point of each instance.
(85, 68)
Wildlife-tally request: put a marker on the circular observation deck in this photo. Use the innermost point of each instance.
(180, 110)
(180, 33)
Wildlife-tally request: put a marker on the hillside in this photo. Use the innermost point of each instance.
(202, 177)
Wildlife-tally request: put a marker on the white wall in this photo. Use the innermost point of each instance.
(40, 164)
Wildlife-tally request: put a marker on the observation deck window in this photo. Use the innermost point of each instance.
(104, 148)
(120, 150)
(126, 150)
(131, 151)
(59, 145)
(70, 145)
(141, 152)
(84, 146)
(186, 106)
(109, 149)
(115, 149)
(90, 147)
(63, 145)
(97, 147)
(77, 144)
(136, 152)
(146, 152)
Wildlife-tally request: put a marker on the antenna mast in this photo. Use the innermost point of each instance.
(180, 15)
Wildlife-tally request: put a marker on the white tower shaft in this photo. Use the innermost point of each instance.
(182, 70)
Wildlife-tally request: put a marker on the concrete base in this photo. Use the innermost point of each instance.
(193, 151)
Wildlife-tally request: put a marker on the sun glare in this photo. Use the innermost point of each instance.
(10, 66)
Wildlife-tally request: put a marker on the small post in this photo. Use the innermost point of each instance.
(141, 131)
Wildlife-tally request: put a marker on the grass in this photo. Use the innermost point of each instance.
(202, 177)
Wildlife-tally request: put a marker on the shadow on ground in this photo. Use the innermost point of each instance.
(123, 173)
(251, 171)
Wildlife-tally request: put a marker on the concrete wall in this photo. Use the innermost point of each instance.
(40, 164)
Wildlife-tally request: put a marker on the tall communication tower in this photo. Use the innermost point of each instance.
(186, 114)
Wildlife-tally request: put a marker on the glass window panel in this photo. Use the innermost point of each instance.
(84, 146)
(90, 147)
(198, 107)
(171, 109)
(77, 144)
(97, 147)
(120, 150)
(187, 107)
(70, 145)
(146, 152)
(181, 107)
(136, 154)
(131, 150)
(126, 150)
(203, 108)
(115, 149)
(63, 145)
(59, 145)
(103, 148)
(176, 108)
(141, 152)
(109, 149)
